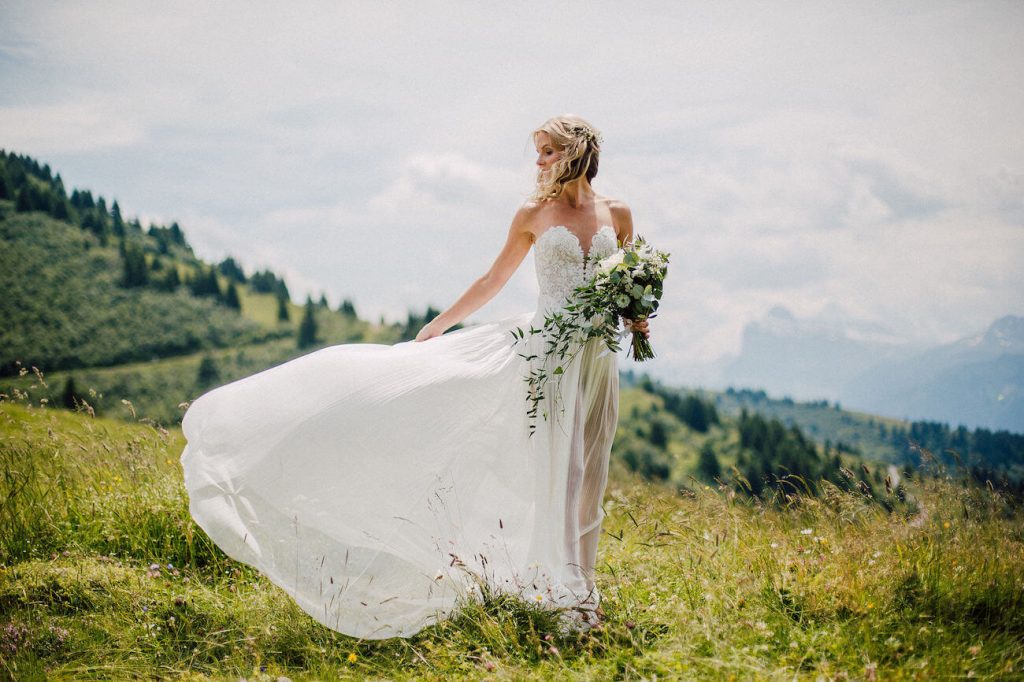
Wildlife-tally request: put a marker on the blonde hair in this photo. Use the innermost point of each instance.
(580, 144)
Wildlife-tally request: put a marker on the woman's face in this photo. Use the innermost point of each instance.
(547, 155)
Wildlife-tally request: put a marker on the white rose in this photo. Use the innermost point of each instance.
(608, 264)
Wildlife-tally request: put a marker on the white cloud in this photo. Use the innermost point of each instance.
(88, 125)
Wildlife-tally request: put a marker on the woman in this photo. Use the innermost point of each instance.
(380, 486)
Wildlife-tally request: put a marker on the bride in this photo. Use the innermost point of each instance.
(381, 486)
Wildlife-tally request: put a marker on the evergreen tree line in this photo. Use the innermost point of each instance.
(34, 187)
(996, 456)
(775, 456)
(697, 413)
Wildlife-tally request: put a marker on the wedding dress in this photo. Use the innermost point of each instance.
(379, 486)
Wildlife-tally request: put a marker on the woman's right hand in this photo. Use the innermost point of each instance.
(638, 326)
(430, 330)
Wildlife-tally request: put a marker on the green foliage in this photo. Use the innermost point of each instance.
(282, 308)
(69, 399)
(135, 273)
(63, 306)
(697, 413)
(208, 373)
(347, 308)
(308, 326)
(231, 299)
(267, 282)
(708, 467)
(204, 282)
(232, 270)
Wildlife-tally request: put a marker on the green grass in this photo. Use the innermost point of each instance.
(707, 585)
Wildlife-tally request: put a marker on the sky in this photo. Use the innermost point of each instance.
(861, 162)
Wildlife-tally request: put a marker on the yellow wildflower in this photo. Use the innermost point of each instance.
(352, 658)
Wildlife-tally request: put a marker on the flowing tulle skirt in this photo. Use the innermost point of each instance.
(381, 485)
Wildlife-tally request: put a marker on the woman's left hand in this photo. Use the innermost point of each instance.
(637, 326)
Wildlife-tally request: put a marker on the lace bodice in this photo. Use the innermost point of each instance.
(562, 264)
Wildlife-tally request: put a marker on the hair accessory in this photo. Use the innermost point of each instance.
(586, 133)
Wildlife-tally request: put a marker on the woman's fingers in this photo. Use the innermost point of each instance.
(637, 326)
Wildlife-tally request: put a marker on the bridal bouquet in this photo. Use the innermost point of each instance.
(626, 284)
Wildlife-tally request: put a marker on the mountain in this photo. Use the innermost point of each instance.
(809, 358)
(977, 381)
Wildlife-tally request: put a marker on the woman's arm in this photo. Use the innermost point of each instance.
(624, 227)
(623, 219)
(517, 245)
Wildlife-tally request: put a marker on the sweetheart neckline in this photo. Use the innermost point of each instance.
(579, 245)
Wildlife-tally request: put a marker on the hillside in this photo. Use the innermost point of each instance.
(104, 575)
(127, 322)
(63, 308)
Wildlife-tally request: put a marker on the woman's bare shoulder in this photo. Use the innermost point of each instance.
(618, 207)
(622, 217)
(527, 218)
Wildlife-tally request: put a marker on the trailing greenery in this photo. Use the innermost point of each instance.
(104, 575)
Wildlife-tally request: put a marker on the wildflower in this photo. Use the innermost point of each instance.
(352, 658)
(806, 531)
(539, 597)
(974, 650)
(774, 545)
(945, 524)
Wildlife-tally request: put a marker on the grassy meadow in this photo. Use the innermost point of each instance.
(105, 576)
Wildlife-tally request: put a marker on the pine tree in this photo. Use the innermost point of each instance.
(6, 192)
(208, 371)
(24, 203)
(323, 301)
(708, 467)
(118, 221)
(659, 434)
(61, 211)
(68, 395)
(231, 299)
(171, 280)
(347, 308)
(204, 282)
(308, 328)
(136, 274)
(282, 308)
